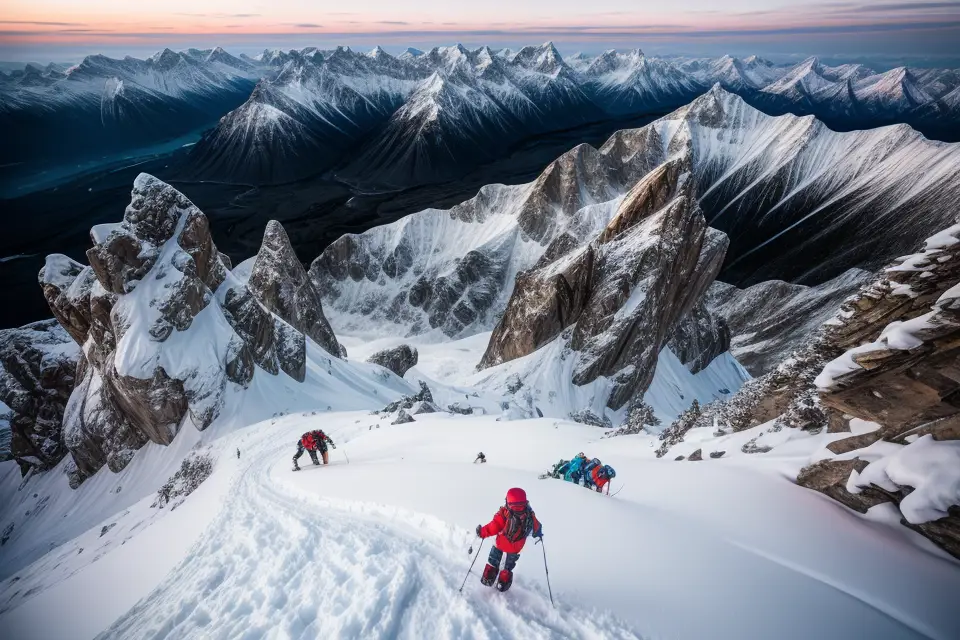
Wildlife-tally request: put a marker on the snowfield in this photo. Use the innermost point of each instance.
(375, 545)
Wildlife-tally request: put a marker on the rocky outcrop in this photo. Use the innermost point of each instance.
(66, 286)
(904, 374)
(700, 337)
(166, 328)
(423, 398)
(403, 417)
(280, 283)
(398, 359)
(37, 367)
(830, 477)
(585, 416)
(770, 320)
(899, 369)
(624, 293)
(906, 390)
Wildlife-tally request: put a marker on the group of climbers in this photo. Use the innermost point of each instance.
(594, 474)
(512, 524)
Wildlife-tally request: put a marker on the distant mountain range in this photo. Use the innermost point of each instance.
(102, 105)
(380, 121)
(796, 201)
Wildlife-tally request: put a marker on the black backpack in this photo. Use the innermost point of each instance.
(519, 524)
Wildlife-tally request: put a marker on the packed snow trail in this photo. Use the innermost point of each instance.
(377, 548)
(275, 564)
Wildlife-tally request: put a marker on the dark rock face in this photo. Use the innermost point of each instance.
(700, 337)
(150, 362)
(398, 359)
(37, 367)
(771, 319)
(279, 281)
(625, 292)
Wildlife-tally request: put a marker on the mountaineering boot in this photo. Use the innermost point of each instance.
(296, 467)
(489, 575)
(505, 580)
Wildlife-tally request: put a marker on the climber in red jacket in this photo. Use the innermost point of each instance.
(313, 441)
(511, 524)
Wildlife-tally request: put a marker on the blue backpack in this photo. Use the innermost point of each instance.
(573, 469)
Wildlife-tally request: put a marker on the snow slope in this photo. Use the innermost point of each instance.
(49, 513)
(376, 548)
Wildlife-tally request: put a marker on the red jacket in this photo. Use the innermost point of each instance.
(495, 528)
(312, 440)
(598, 480)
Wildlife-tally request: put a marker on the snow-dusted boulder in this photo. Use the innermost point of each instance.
(37, 367)
(167, 329)
(403, 417)
(66, 286)
(399, 359)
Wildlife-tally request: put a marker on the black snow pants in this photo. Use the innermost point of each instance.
(496, 555)
(312, 452)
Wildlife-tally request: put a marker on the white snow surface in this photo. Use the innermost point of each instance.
(377, 547)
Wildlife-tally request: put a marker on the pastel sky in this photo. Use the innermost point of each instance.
(55, 29)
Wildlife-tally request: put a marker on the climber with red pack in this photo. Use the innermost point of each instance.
(511, 524)
(598, 477)
(313, 441)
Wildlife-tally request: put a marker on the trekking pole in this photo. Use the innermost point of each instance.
(547, 571)
(346, 456)
(471, 566)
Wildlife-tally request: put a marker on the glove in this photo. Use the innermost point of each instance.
(479, 529)
(538, 534)
(333, 445)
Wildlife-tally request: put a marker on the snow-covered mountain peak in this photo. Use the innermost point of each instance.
(377, 53)
(894, 91)
(756, 60)
(803, 80)
(544, 59)
(410, 53)
(167, 59)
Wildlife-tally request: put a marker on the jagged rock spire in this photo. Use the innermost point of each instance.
(281, 284)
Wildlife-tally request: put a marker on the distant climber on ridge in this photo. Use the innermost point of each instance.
(512, 523)
(313, 441)
(480, 458)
